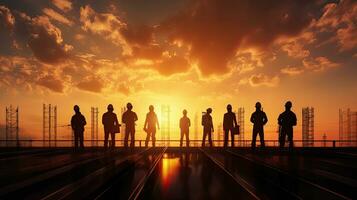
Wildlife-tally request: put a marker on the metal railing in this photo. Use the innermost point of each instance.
(171, 143)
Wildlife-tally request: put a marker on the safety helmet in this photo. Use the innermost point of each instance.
(184, 112)
(129, 106)
(110, 107)
(76, 108)
(258, 105)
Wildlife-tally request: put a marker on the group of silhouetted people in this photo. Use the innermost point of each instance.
(286, 121)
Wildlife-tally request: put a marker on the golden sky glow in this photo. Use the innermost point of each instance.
(187, 54)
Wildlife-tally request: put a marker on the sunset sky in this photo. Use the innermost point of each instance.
(189, 54)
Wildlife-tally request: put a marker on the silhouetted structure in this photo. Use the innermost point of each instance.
(308, 127)
(207, 124)
(150, 124)
(78, 122)
(347, 127)
(49, 130)
(259, 119)
(185, 124)
(129, 118)
(165, 124)
(240, 120)
(94, 125)
(287, 120)
(229, 123)
(111, 126)
(12, 126)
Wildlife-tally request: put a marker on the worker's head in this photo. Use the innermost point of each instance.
(129, 106)
(258, 105)
(229, 108)
(184, 112)
(76, 108)
(288, 105)
(151, 108)
(209, 110)
(110, 108)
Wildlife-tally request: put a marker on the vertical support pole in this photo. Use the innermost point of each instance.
(55, 124)
(44, 125)
(17, 128)
(49, 124)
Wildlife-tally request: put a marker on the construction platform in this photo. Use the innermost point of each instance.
(174, 173)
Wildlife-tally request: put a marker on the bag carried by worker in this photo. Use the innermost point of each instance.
(116, 128)
(236, 130)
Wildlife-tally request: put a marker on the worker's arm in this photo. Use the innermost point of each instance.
(116, 120)
(146, 121)
(72, 123)
(84, 120)
(265, 119)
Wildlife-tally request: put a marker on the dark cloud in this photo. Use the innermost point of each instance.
(38, 33)
(138, 36)
(91, 84)
(51, 82)
(44, 39)
(215, 30)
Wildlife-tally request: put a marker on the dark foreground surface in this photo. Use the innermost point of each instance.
(173, 173)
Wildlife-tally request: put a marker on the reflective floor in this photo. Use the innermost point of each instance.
(174, 173)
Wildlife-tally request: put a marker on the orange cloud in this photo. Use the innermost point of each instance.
(216, 29)
(64, 5)
(56, 16)
(6, 18)
(292, 70)
(91, 84)
(263, 80)
(105, 24)
(341, 19)
(52, 83)
(319, 64)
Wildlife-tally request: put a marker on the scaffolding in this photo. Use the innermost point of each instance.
(165, 124)
(348, 127)
(94, 126)
(49, 131)
(308, 127)
(240, 121)
(12, 126)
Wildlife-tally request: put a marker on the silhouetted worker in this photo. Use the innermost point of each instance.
(78, 122)
(286, 121)
(185, 124)
(229, 122)
(207, 127)
(150, 126)
(109, 121)
(129, 118)
(259, 119)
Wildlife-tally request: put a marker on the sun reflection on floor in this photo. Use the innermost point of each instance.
(169, 169)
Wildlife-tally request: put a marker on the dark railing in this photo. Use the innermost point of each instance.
(173, 143)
